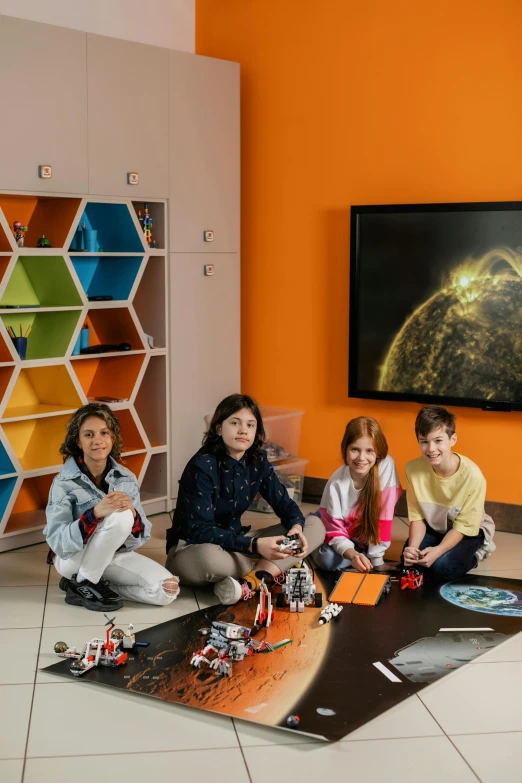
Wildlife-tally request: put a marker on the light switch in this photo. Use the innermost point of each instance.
(209, 269)
(45, 171)
(133, 178)
(208, 236)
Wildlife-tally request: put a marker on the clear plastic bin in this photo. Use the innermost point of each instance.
(283, 432)
(291, 474)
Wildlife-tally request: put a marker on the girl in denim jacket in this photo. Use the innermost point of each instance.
(95, 521)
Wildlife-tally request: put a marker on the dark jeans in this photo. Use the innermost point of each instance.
(454, 563)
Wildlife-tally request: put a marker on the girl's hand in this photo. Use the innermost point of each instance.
(114, 501)
(268, 548)
(360, 561)
(297, 529)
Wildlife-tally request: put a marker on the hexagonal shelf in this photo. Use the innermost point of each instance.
(5, 376)
(154, 484)
(114, 376)
(152, 288)
(29, 507)
(36, 442)
(134, 463)
(47, 216)
(51, 332)
(157, 213)
(41, 281)
(115, 227)
(5, 244)
(106, 275)
(154, 417)
(42, 390)
(132, 440)
(7, 486)
(113, 326)
(6, 466)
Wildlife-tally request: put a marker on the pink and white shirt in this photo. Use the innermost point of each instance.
(339, 510)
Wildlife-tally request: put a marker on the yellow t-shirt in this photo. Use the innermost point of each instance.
(456, 502)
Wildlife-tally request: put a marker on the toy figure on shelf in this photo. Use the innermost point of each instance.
(299, 589)
(19, 233)
(265, 613)
(101, 652)
(411, 579)
(43, 242)
(147, 224)
(329, 612)
(230, 642)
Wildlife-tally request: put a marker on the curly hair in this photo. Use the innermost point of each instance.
(70, 448)
(226, 408)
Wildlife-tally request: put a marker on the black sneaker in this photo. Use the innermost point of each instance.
(64, 583)
(96, 597)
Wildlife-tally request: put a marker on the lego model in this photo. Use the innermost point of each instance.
(110, 651)
(329, 612)
(293, 721)
(299, 589)
(264, 613)
(291, 542)
(411, 579)
(230, 642)
(19, 233)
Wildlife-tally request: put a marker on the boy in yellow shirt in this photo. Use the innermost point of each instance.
(449, 530)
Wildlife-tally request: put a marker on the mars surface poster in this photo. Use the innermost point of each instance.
(436, 302)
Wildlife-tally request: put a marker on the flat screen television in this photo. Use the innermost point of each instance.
(436, 304)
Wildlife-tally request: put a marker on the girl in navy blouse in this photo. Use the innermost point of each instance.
(207, 542)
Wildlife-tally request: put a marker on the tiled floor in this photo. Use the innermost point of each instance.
(467, 727)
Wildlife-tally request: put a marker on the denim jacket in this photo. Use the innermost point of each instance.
(72, 493)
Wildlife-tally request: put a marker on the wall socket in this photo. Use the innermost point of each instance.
(208, 269)
(45, 171)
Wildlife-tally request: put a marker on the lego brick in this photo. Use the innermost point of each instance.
(371, 589)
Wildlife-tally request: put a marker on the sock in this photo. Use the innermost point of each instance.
(253, 580)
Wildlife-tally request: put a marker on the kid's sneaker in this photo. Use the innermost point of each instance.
(485, 550)
(230, 590)
(96, 597)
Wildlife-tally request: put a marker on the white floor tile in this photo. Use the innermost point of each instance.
(75, 636)
(208, 766)
(18, 655)
(11, 771)
(121, 723)
(58, 613)
(507, 651)
(495, 758)
(15, 708)
(23, 568)
(254, 735)
(477, 699)
(426, 759)
(21, 607)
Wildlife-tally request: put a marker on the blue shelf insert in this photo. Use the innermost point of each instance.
(6, 490)
(116, 232)
(107, 275)
(6, 466)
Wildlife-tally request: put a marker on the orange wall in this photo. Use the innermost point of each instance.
(351, 102)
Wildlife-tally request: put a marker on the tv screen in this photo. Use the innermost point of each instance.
(436, 304)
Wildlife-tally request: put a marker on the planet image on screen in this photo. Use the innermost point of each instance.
(466, 339)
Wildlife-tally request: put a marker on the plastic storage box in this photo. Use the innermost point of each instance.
(283, 432)
(291, 475)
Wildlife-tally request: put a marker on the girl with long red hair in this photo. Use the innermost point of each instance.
(359, 500)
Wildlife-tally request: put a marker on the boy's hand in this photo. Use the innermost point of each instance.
(297, 529)
(411, 555)
(429, 555)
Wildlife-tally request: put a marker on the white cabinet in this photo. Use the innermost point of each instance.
(44, 114)
(128, 118)
(204, 346)
(204, 153)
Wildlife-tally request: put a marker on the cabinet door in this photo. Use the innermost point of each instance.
(204, 346)
(204, 153)
(44, 106)
(128, 117)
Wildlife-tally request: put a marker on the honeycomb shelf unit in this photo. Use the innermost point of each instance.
(44, 294)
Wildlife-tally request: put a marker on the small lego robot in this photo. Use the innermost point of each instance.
(230, 642)
(101, 652)
(329, 612)
(264, 613)
(291, 542)
(411, 579)
(299, 589)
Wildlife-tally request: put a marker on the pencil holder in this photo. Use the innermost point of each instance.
(91, 240)
(20, 343)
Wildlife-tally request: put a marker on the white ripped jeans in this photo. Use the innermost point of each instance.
(132, 576)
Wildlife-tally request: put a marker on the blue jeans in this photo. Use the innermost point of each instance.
(454, 563)
(329, 560)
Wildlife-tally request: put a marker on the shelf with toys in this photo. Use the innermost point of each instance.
(50, 332)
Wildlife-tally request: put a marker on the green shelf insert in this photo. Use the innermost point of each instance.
(50, 334)
(42, 281)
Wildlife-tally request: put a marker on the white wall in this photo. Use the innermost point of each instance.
(169, 23)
